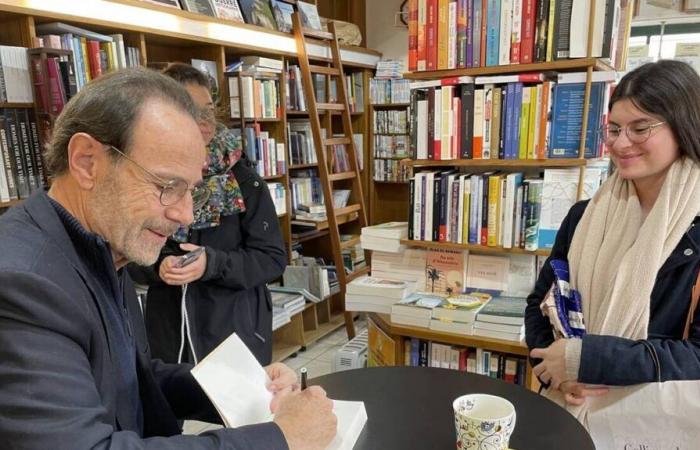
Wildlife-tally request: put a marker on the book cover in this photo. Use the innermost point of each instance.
(283, 15)
(258, 12)
(503, 310)
(228, 9)
(199, 7)
(309, 15)
(488, 272)
(446, 270)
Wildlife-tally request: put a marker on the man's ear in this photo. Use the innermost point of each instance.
(85, 155)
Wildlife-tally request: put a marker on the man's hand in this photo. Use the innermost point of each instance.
(283, 382)
(576, 393)
(177, 276)
(306, 419)
(552, 369)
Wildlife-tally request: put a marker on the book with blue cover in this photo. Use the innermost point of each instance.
(567, 118)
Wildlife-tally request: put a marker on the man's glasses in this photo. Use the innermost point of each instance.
(637, 132)
(172, 191)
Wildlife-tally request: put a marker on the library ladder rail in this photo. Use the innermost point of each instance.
(355, 211)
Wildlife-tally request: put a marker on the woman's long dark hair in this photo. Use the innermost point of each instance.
(669, 90)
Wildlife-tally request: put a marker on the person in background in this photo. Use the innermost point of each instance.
(190, 310)
(633, 250)
(75, 367)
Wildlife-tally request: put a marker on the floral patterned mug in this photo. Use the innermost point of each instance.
(483, 422)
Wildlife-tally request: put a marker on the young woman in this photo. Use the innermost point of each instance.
(192, 309)
(633, 250)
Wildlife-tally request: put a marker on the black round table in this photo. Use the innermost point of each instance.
(411, 408)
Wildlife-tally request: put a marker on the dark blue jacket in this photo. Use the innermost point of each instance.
(58, 371)
(616, 361)
(244, 252)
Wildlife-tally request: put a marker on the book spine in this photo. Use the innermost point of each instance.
(14, 145)
(528, 31)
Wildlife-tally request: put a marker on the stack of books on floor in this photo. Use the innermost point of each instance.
(284, 306)
(407, 265)
(502, 318)
(385, 237)
(372, 294)
(458, 313)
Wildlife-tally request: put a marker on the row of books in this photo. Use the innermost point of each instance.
(424, 353)
(265, 151)
(15, 79)
(522, 116)
(305, 188)
(285, 305)
(390, 122)
(495, 209)
(270, 14)
(22, 166)
(93, 53)
(301, 142)
(260, 97)
(390, 170)
(449, 34)
(386, 92)
(390, 146)
(295, 100)
(279, 197)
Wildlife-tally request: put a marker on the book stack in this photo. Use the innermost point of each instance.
(407, 265)
(458, 314)
(502, 318)
(416, 309)
(372, 294)
(384, 237)
(284, 306)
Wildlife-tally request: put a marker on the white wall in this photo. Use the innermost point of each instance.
(382, 35)
(652, 15)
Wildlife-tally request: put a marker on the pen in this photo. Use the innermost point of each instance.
(302, 371)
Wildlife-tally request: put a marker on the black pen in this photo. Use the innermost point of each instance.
(302, 371)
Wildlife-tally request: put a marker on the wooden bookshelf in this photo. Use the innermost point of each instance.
(390, 105)
(399, 333)
(17, 105)
(10, 203)
(474, 248)
(509, 163)
(559, 66)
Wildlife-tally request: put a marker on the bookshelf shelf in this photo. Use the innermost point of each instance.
(392, 134)
(390, 182)
(336, 321)
(308, 237)
(392, 158)
(390, 105)
(264, 120)
(334, 113)
(17, 105)
(562, 65)
(303, 166)
(514, 163)
(473, 247)
(274, 177)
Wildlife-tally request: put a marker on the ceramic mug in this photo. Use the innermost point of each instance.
(483, 422)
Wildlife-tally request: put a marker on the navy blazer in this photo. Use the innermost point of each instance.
(618, 361)
(57, 371)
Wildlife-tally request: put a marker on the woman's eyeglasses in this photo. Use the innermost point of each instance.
(637, 132)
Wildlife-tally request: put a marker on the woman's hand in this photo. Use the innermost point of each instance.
(575, 393)
(177, 276)
(552, 369)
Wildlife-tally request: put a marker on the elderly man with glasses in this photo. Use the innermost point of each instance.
(75, 368)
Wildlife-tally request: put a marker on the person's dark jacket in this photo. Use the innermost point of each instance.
(59, 378)
(244, 252)
(616, 361)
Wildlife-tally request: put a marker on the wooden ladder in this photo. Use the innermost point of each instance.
(352, 216)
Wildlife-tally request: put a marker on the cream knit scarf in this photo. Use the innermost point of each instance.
(615, 255)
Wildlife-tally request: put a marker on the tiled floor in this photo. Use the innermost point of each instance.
(317, 358)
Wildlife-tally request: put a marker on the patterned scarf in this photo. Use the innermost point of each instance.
(226, 198)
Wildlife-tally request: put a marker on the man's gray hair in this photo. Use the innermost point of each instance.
(107, 109)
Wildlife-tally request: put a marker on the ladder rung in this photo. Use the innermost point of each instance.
(356, 274)
(341, 176)
(350, 242)
(330, 106)
(336, 141)
(317, 34)
(347, 210)
(324, 70)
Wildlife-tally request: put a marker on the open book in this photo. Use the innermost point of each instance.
(235, 382)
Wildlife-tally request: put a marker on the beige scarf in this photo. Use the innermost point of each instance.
(615, 255)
